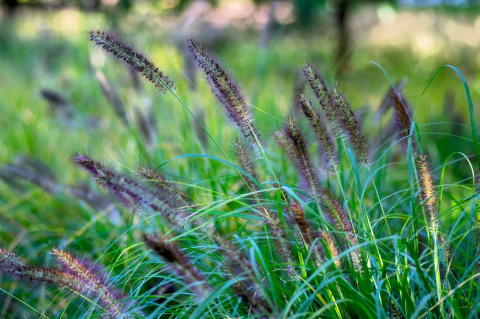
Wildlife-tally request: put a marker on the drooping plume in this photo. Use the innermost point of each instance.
(115, 45)
(77, 277)
(132, 193)
(172, 254)
(160, 182)
(93, 282)
(251, 288)
(226, 91)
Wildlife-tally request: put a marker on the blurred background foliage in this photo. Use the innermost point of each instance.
(44, 45)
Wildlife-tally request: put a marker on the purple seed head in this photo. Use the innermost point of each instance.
(226, 91)
(116, 46)
(323, 136)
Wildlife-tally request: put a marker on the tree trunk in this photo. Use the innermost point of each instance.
(343, 49)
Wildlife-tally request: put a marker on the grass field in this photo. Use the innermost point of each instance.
(396, 260)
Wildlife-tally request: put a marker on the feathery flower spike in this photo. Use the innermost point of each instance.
(245, 162)
(320, 129)
(162, 184)
(226, 92)
(341, 222)
(349, 123)
(338, 110)
(331, 247)
(297, 148)
(430, 203)
(428, 193)
(172, 254)
(115, 45)
(130, 192)
(9, 264)
(306, 231)
(77, 278)
(180, 201)
(9, 259)
(93, 282)
(321, 91)
(402, 113)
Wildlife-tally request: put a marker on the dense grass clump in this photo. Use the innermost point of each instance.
(318, 219)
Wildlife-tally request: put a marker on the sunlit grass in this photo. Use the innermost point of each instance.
(398, 251)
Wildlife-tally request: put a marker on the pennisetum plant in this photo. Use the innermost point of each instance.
(332, 238)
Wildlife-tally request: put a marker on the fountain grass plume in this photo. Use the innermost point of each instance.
(347, 120)
(9, 259)
(402, 114)
(131, 193)
(77, 277)
(341, 222)
(11, 265)
(337, 110)
(172, 254)
(226, 91)
(116, 46)
(94, 282)
(429, 200)
(286, 144)
(331, 247)
(308, 236)
(323, 136)
(160, 182)
(295, 144)
(297, 149)
(246, 162)
(189, 67)
(321, 91)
